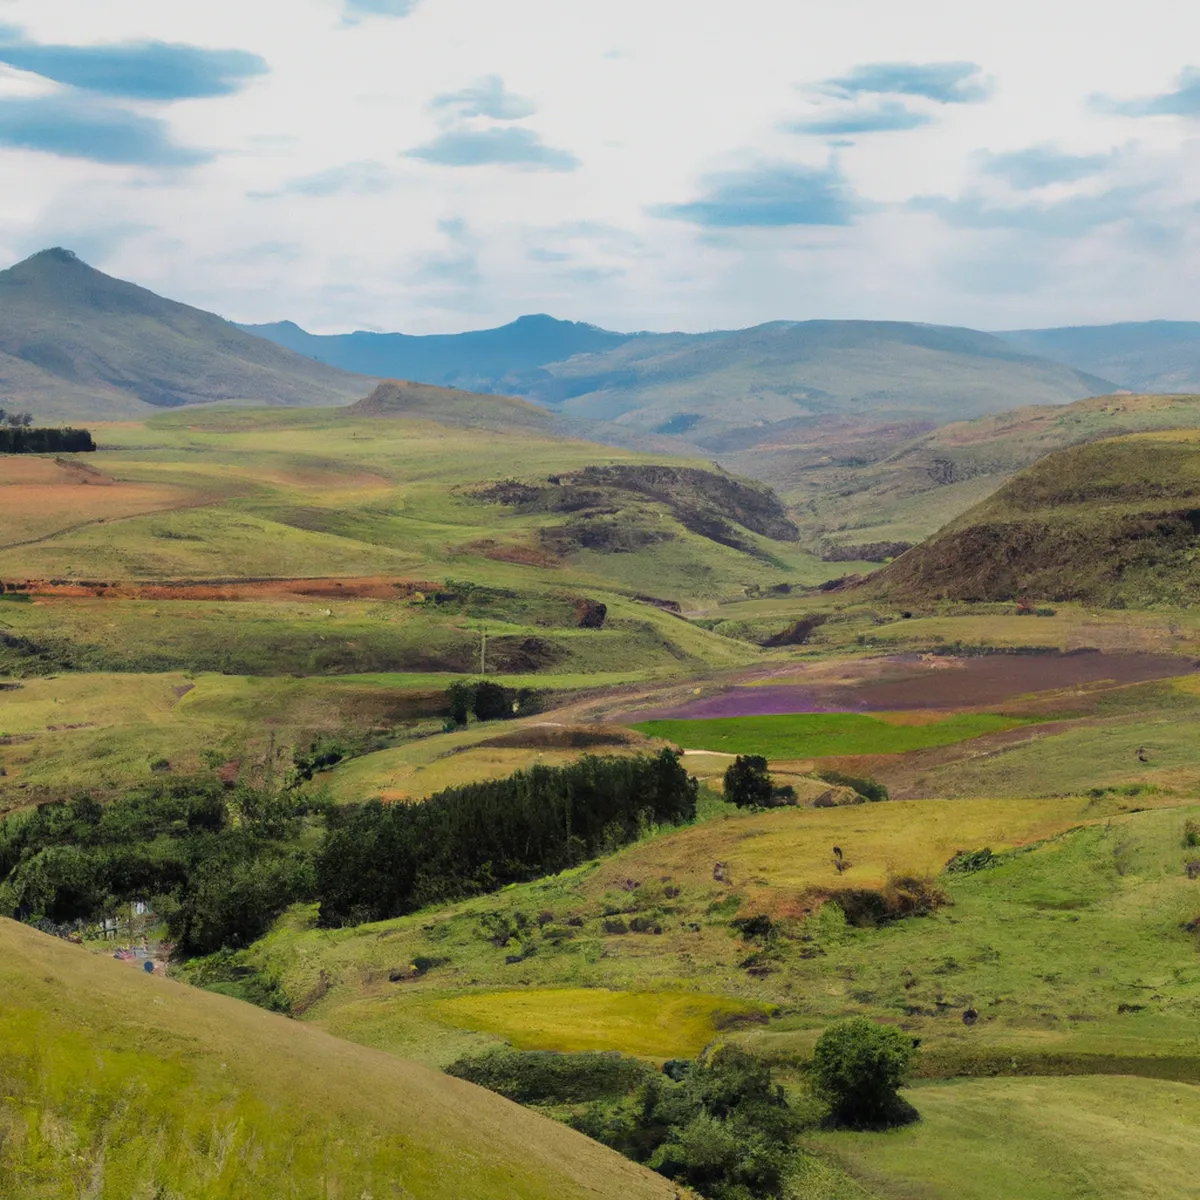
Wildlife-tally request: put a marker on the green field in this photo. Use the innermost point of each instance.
(822, 735)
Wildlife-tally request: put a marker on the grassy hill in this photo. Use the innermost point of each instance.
(1113, 523)
(1145, 356)
(853, 485)
(76, 344)
(113, 1085)
(402, 398)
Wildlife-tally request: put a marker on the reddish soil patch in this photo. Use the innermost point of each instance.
(232, 590)
(936, 683)
(526, 556)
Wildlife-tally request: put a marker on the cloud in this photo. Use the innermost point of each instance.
(495, 147)
(770, 196)
(884, 117)
(134, 70)
(1039, 166)
(357, 178)
(459, 268)
(945, 82)
(72, 127)
(486, 98)
(1060, 218)
(356, 10)
(1184, 101)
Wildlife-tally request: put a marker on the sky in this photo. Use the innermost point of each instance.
(438, 165)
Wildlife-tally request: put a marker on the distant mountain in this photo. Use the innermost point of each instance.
(1146, 356)
(76, 344)
(724, 390)
(487, 360)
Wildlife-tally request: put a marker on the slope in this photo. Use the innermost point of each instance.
(1146, 356)
(115, 1084)
(1112, 523)
(484, 359)
(402, 398)
(859, 491)
(76, 344)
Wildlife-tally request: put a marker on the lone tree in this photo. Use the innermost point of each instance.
(492, 702)
(859, 1067)
(748, 783)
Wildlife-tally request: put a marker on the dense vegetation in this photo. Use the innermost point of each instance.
(25, 440)
(380, 861)
(219, 866)
(719, 1125)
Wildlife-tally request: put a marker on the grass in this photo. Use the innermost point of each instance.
(823, 735)
(114, 1085)
(1100, 1138)
(656, 1025)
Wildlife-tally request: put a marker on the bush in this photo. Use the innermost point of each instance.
(868, 789)
(748, 783)
(492, 702)
(459, 696)
(858, 1069)
(542, 1077)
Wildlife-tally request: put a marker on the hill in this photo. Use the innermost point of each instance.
(1145, 356)
(402, 398)
(76, 344)
(485, 359)
(1112, 523)
(158, 1088)
(719, 391)
(859, 491)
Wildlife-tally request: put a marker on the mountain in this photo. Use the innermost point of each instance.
(113, 1083)
(76, 344)
(489, 360)
(1114, 523)
(882, 487)
(1145, 356)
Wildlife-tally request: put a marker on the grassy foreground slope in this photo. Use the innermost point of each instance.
(1113, 523)
(114, 1085)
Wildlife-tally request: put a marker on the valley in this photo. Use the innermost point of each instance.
(407, 716)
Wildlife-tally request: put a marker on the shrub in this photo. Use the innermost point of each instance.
(965, 862)
(542, 1077)
(492, 702)
(459, 696)
(748, 783)
(858, 1068)
(868, 789)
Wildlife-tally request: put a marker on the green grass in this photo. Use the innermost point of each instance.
(822, 735)
(114, 1085)
(1100, 1138)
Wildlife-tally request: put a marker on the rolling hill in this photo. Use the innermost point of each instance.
(404, 399)
(1145, 356)
(1113, 523)
(115, 1084)
(859, 491)
(76, 344)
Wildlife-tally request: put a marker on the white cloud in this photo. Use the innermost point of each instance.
(345, 230)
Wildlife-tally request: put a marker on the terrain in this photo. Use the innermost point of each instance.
(205, 1095)
(1144, 356)
(77, 344)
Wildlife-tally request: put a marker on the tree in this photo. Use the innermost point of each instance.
(859, 1067)
(748, 783)
(458, 698)
(492, 702)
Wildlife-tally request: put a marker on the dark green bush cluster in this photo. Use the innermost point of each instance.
(23, 440)
(966, 862)
(218, 866)
(868, 789)
(720, 1126)
(542, 1077)
(858, 1068)
(488, 701)
(380, 861)
(749, 784)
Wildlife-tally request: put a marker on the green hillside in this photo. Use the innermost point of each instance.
(857, 484)
(76, 344)
(114, 1085)
(1113, 523)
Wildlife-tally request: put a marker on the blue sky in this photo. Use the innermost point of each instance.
(434, 165)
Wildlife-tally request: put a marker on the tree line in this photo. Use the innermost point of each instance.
(220, 865)
(23, 439)
(380, 861)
